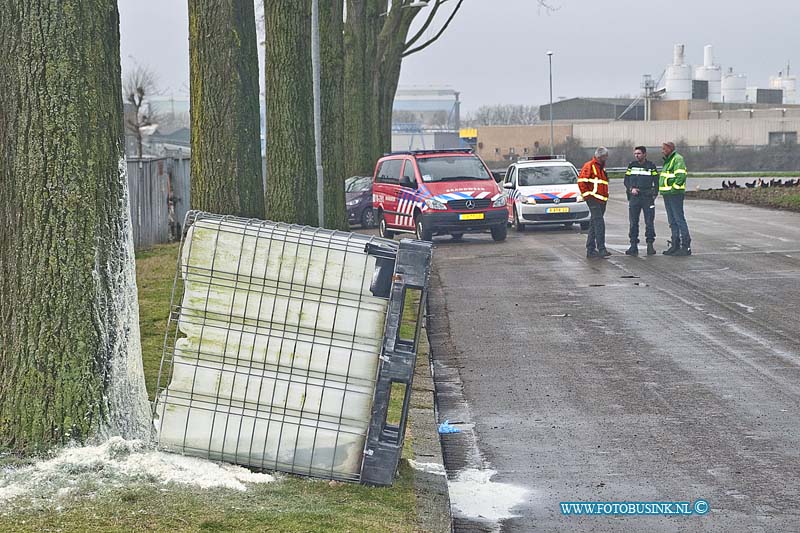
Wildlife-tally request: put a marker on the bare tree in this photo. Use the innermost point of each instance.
(139, 83)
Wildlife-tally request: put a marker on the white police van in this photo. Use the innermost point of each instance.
(543, 189)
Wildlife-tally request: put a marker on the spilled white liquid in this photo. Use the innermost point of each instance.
(428, 468)
(117, 463)
(474, 495)
(126, 395)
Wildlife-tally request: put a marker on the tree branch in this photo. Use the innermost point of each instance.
(426, 25)
(544, 4)
(438, 34)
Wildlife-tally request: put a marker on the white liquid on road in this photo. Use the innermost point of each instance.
(475, 496)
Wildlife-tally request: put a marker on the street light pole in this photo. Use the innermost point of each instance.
(552, 143)
(315, 67)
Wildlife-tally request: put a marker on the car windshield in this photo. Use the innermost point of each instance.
(358, 184)
(452, 168)
(547, 175)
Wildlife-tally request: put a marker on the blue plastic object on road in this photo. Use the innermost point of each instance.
(445, 428)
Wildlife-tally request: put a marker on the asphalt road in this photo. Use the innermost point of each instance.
(627, 379)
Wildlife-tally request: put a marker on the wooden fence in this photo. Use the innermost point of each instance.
(159, 199)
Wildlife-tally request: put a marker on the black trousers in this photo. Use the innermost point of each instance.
(596, 239)
(646, 205)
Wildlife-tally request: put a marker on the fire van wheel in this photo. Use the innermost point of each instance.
(422, 231)
(368, 218)
(382, 229)
(517, 225)
(499, 232)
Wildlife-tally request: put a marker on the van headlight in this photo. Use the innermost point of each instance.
(432, 203)
(527, 200)
(500, 202)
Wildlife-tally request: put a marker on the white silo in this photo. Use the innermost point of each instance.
(788, 84)
(711, 73)
(678, 77)
(734, 88)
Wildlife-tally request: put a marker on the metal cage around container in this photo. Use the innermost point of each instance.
(286, 344)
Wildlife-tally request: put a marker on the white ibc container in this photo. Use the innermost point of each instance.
(277, 348)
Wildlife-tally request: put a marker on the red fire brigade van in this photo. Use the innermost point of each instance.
(437, 192)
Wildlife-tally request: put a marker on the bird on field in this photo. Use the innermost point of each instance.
(750, 185)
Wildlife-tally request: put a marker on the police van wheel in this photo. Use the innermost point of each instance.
(382, 229)
(422, 231)
(457, 236)
(499, 232)
(584, 225)
(517, 225)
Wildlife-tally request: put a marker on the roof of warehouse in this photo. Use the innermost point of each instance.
(611, 101)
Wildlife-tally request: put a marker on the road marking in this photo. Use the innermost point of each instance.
(768, 236)
(747, 308)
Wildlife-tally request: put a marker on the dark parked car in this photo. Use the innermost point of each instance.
(358, 192)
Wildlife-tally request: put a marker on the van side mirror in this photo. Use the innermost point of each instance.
(508, 185)
(406, 181)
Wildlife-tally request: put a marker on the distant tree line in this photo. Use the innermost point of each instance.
(503, 115)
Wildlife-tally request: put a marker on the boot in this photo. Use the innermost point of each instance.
(591, 254)
(602, 252)
(685, 250)
(651, 249)
(674, 246)
(633, 250)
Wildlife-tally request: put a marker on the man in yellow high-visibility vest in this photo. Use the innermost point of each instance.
(672, 187)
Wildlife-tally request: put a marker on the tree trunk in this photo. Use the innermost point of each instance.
(374, 42)
(374, 20)
(291, 172)
(391, 44)
(70, 359)
(226, 146)
(356, 96)
(332, 82)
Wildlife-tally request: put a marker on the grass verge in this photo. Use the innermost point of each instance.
(729, 174)
(290, 504)
(775, 197)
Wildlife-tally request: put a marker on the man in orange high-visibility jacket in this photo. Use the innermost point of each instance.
(593, 183)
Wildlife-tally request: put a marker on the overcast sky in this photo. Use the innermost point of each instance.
(494, 50)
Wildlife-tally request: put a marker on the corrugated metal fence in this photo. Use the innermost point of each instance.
(159, 195)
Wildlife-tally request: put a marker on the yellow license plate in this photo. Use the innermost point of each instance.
(557, 210)
(471, 216)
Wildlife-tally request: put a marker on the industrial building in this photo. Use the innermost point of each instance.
(697, 105)
(594, 109)
(426, 118)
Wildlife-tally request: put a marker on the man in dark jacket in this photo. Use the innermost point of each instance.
(641, 186)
